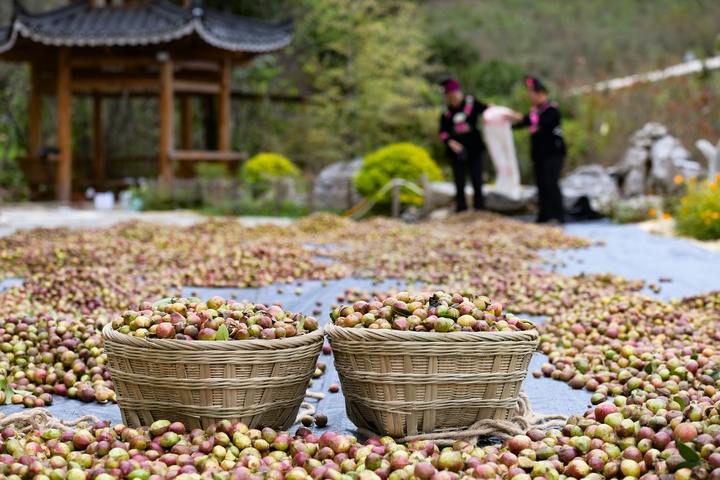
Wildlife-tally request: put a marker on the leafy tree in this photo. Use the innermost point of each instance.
(366, 61)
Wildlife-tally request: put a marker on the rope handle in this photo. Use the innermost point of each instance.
(523, 420)
(42, 419)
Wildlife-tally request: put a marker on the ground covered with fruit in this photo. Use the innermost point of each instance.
(648, 364)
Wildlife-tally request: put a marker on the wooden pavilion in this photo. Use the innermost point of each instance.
(133, 47)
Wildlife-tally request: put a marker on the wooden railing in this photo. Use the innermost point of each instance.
(207, 155)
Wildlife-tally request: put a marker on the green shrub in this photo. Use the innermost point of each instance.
(160, 196)
(210, 170)
(264, 167)
(629, 211)
(698, 214)
(399, 160)
(251, 207)
(13, 187)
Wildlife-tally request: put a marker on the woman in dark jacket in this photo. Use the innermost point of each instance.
(547, 150)
(463, 143)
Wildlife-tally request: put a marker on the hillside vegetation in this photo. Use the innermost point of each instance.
(366, 71)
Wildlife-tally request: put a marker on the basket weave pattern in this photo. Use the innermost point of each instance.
(405, 383)
(258, 382)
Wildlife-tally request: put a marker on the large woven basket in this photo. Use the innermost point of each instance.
(406, 383)
(259, 382)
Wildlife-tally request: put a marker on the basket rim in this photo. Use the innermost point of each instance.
(110, 335)
(364, 334)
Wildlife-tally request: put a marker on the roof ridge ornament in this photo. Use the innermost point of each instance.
(197, 8)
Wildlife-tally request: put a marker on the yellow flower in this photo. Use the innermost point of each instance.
(693, 179)
(678, 179)
(716, 215)
(652, 212)
(717, 177)
(707, 221)
(666, 216)
(713, 186)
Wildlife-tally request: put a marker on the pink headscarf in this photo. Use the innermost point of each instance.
(451, 85)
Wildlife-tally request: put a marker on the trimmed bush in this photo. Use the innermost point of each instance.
(698, 213)
(399, 160)
(264, 167)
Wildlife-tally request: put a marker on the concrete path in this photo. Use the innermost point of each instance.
(32, 216)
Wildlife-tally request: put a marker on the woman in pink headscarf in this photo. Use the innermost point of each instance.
(547, 149)
(464, 145)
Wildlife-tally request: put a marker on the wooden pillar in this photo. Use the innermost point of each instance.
(98, 143)
(224, 106)
(167, 125)
(186, 133)
(63, 187)
(35, 115)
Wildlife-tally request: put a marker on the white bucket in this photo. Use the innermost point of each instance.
(104, 201)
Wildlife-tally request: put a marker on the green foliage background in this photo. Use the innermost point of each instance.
(365, 71)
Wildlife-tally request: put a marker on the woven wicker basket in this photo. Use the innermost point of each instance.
(406, 383)
(258, 382)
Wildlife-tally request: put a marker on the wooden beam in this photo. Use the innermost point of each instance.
(207, 155)
(98, 143)
(80, 84)
(110, 61)
(35, 114)
(224, 105)
(198, 65)
(194, 86)
(64, 134)
(258, 97)
(167, 124)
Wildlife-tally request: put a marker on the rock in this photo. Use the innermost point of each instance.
(652, 162)
(441, 213)
(689, 168)
(443, 195)
(332, 184)
(635, 157)
(669, 158)
(662, 169)
(712, 154)
(634, 183)
(645, 136)
(497, 201)
(590, 181)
